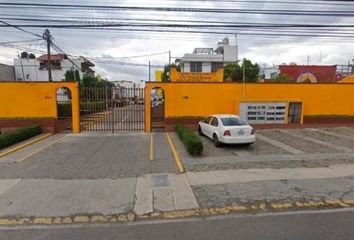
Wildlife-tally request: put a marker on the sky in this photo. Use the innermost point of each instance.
(124, 53)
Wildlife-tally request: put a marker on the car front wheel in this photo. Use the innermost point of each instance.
(200, 132)
(216, 141)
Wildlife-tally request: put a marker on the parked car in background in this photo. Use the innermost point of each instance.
(227, 129)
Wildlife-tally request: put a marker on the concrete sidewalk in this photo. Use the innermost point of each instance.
(166, 195)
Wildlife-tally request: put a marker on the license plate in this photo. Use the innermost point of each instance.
(241, 132)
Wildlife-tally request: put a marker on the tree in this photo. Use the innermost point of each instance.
(166, 72)
(251, 71)
(72, 76)
(282, 78)
(235, 71)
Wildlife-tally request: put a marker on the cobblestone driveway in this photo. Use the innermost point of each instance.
(89, 156)
(277, 148)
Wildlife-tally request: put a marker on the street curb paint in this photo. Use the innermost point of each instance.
(151, 147)
(39, 150)
(34, 140)
(177, 214)
(175, 154)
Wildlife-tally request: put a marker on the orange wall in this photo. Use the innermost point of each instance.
(35, 100)
(202, 99)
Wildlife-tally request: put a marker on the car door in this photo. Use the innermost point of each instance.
(214, 124)
(205, 125)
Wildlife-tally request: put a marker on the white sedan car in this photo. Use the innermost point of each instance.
(226, 128)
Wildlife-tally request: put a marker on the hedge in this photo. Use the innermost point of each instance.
(191, 141)
(12, 137)
(64, 109)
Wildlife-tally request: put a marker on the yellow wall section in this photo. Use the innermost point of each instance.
(36, 100)
(349, 79)
(202, 99)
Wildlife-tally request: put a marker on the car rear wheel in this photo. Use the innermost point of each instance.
(200, 132)
(216, 141)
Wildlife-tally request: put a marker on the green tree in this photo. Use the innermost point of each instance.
(251, 71)
(235, 71)
(72, 76)
(166, 72)
(282, 78)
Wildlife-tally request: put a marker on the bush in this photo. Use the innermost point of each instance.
(64, 109)
(92, 107)
(10, 138)
(191, 141)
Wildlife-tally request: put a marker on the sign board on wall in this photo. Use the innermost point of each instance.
(197, 76)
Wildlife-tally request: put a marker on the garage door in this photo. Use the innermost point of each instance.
(263, 112)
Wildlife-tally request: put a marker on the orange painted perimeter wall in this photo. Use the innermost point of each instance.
(36, 100)
(202, 99)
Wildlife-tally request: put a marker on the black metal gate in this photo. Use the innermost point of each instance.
(112, 109)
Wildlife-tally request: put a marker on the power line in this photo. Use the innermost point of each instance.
(23, 30)
(327, 13)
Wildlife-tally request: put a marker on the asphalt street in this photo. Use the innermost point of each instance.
(321, 225)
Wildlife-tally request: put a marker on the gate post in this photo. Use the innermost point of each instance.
(75, 109)
(147, 108)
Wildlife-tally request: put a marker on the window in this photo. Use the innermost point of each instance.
(196, 67)
(215, 66)
(214, 122)
(53, 64)
(207, 120)
(232, 122)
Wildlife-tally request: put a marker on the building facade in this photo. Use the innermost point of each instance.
(30, 68)
(7, 73)
(209, 59)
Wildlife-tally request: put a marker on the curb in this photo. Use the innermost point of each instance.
(203, 212)
(28, 143)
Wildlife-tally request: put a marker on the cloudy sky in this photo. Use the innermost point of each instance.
(123, 53)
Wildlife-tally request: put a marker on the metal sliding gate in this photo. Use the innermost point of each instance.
(112, 109)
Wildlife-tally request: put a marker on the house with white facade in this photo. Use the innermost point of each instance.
(30, 68)
(7, 73)
(209, 59)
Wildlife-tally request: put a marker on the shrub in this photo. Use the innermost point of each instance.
(12, 137)
(92, 107)
(64, 109)
(191, 141)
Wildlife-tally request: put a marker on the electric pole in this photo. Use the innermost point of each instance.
(48, 38)
(149, 72)
(243, 78)
(169, 65)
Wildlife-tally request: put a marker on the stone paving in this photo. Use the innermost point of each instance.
(93, 156)
(277, 148)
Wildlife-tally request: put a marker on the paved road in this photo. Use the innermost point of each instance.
(93, 156)
(322, 225)
(128, 118)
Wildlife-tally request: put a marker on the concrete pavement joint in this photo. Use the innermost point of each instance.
(202, 212)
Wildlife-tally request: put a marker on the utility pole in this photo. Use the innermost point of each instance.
(149, 72)
(243, 78)
(236, 47)
(48, 38)
(169, 65)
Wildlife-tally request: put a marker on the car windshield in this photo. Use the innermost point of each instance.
(233, 121)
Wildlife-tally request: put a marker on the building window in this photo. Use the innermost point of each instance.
(196, 67)
(53, 65)
(215, 66)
